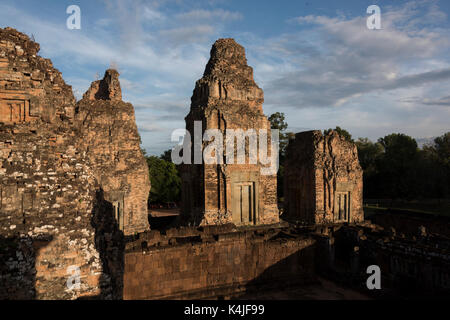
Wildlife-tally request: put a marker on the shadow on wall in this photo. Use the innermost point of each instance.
(19, 273)
(18, 266)
(294, 278)
(295, 270)
(109, 242)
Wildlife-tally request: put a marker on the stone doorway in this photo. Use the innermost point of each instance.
(118, 213)
(342, 206)
(244, 204)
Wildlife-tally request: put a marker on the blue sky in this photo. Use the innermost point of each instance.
(315, 60)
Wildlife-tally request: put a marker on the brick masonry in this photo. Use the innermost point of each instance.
(411, 265)
(53, 211)
(227, 97)
(111, 140)
(193, 264)
(323, 180)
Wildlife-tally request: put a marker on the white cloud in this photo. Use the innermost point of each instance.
(152, 15)
(194, 34)
(149, 127)
(202, 15)
(339, 59)
(337, 72)
(372, 82)
(442, 101)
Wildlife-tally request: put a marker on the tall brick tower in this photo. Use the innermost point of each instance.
(111, 140)
(227, 97)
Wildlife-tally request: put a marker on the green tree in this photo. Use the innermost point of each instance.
(398, 166)
(435, 167)
(165, 181)
(167, 155)
(369, 154)
(442, 147)
(277, 121)
(395, 168)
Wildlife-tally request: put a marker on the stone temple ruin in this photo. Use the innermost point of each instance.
(74, 187)
(227, 97)
(323, 180)
(63, 167)
(111, 140)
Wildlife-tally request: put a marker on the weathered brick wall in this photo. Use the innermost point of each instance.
(46, 187)
(420, 265)
(51, 212)
(110, 137)
(29, 83)
(323, 179)
(410, 265)
(408, 223)
(47, 192)
(189, 263)
(227, 97)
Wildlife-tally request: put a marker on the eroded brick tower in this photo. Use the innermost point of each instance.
(47, 189)
(110, 137)
(73, 179)
(227, 97)
(323, 179)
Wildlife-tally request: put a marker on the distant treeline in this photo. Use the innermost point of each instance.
(395, 168)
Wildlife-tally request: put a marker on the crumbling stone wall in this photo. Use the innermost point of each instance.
(31, 89)
(47, 193)
(407, 222)
(46, 187)
(226, 97)
(189, 263)
(111, 140)
(410, 265)
(323, 179)
(53, 216)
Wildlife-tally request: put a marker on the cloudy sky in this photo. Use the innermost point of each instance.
(316, 60)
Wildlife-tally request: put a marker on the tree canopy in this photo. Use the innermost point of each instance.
(165, 180)
(277, 121)
(395, 168)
